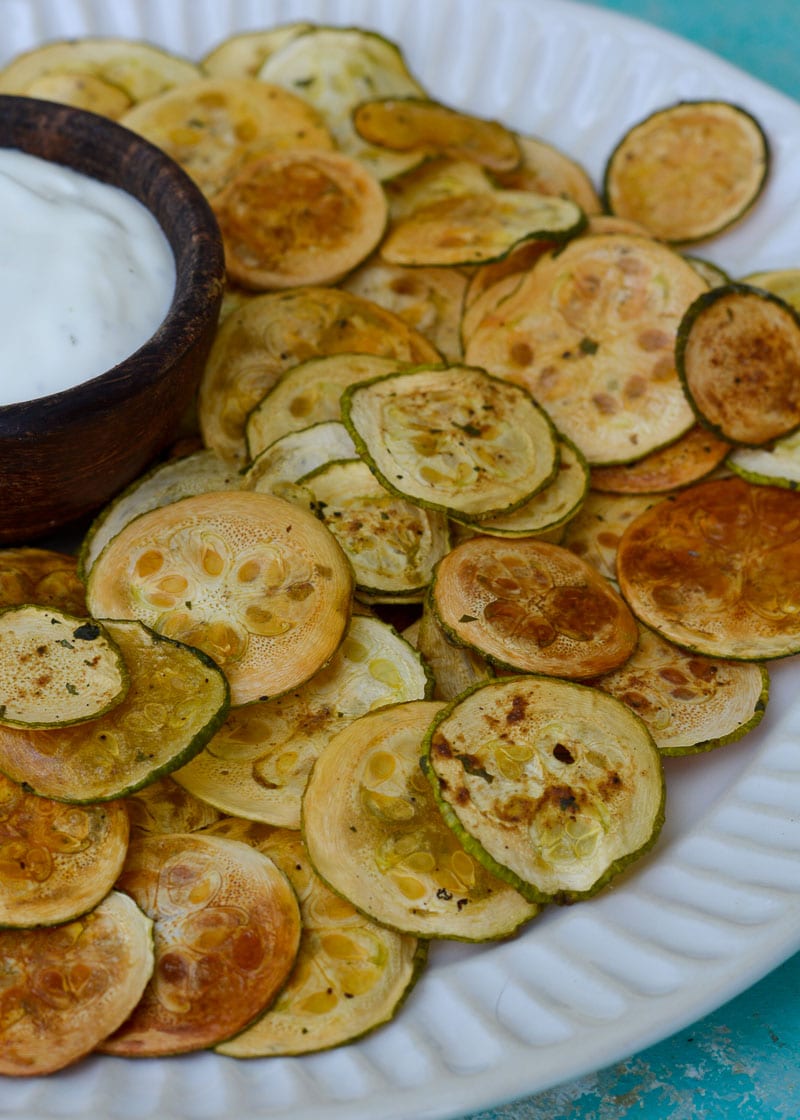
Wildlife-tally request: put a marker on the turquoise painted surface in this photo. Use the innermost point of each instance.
(743, 1060)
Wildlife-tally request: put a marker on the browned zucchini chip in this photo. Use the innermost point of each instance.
(351, 974)
(530, 605)
(257, 764)
(545, 169)
(165, 806)
(392, 543)
(56, 861)
(299, 217)
(590, 332)
(407, 123)
(738, 354)
(433, 181)
(688, 171)
(68, 986)
(277, 330)
(213, 126)
(471, 229)
(375, 835)
(595, 531)
(41, 575)
(453, 439)
(554, 786)
(689, 702)
(176, 699)
(687, 460)
(227, 929)
(56, 669)
(716, 569)
(257, 583)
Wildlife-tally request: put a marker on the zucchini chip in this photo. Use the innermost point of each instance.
(213, 126)
(375, 834)
(227, 930)
(276, 330)
(453, 439)
(393, 544)
(351, 974)
(299, 217)
(296, 454)
(777, 464)
(257, 583)
(242, 55)
(428, 299)
(689, 459)
(738, 355)
(197, 473)
(529, 605)
(335, 69)
(165, 806)
(57, 861)
(43, 576)
(413, 123)
(689, 702)
(716, 569)
(590, 332)
(434, 181)
(105, 75)
(783, 282)
(545, 169)
(688, 171)
(66, 987)
(554, 786)
(455, 668)
(257, 764)
(471, 229)
(309, 393)
(176, 699)
(553, 506)
(56, 669)
(596, 530)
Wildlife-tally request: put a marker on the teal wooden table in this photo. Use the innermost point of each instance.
(742, 1061)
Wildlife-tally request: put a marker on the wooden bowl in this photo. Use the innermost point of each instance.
(62, 456)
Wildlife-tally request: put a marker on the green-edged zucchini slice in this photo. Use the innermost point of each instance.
(453, 438)
(553, 506)
(351, 974)
(56, 861)
(689, 702)
(375, 834)
(176, 700)
(257, 764)
(198, 473)
(710, 272)
(688, 171)
(529, 605)
(471, 229)
(777, 464)
(590, 332)
(66, 987)
(256, 582)
(687, 460)
(454, 667)
(738, 355)
(227, 930)
(41, 575)
(242, 55)
(412, 123)
(56, 669)
(392, 543)
(309, 393)
(596, 530)
(434, 181)
(716, 569)
(296, 454)
(553, 785)
(335, 69)
(545, 169)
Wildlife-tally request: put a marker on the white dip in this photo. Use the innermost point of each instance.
(86, 276)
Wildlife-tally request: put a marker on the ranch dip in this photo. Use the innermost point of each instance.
(86, 276)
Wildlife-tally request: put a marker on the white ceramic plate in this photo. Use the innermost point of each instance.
(717, 904)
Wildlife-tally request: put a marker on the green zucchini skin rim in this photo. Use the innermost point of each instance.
(366, 455)
(175, 761)
(759, 710)
(766, 148)
(526, 889)
(693, 312)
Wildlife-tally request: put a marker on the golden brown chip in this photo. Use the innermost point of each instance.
(40, 575)
(689, 459)
(545, 169)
